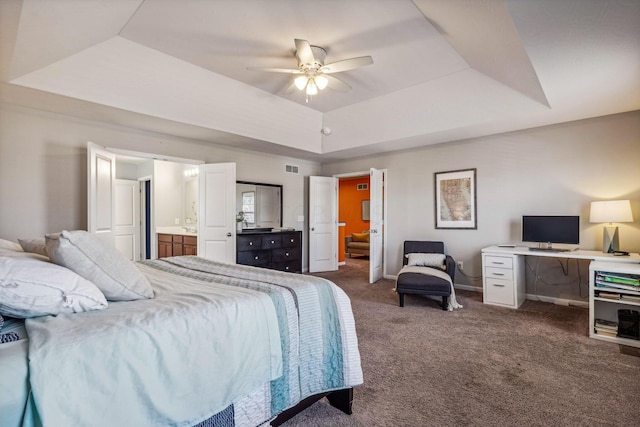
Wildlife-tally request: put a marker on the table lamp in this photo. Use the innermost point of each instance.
(611, 211)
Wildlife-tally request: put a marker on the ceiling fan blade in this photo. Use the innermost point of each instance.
(275, 70)
(347, 64)
(337, 84)
(304, 52)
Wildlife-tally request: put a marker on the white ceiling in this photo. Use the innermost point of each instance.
(443, 70)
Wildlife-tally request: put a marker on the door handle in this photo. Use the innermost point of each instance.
(229, 234)
(313, 229)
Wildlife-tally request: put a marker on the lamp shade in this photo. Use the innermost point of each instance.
(611, 211)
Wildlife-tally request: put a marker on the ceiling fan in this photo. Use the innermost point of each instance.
(312, 73)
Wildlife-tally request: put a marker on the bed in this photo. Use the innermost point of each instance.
(214, 345)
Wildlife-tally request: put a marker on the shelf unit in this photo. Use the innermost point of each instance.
(607, 309)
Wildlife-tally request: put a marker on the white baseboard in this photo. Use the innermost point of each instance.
(558, 301)
(467, 287)
(553, 300)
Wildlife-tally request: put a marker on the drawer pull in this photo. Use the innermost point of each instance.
(256, 258)
(286, 254)
(250, 243)
(499, 263)
(291, 240)
(498, 274)
(498, 285)
(272, 242)
(286, 268)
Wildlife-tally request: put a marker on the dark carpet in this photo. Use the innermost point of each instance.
(478, 366)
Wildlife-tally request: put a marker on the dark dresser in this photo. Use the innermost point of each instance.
(277, 250)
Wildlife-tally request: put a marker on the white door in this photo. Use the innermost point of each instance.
(375, 224)
(101, 175)
(323, 224)
(217, 205)
(127, 218)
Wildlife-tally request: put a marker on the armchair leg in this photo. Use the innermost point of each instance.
(445, 302)
(401, 296)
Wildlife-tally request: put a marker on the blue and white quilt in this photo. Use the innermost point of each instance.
(221, 344)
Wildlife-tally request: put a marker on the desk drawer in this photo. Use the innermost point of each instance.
(499, 292)
(498, 261)
(498, 273)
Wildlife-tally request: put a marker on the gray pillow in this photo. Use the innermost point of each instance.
(30, 288)
(116, 276)
(427, 260)
(35, 246)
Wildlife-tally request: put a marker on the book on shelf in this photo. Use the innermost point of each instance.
(627, 279)
(605, 324)
(607, 333)
(612, 285)
(630, 298)
(607, 295)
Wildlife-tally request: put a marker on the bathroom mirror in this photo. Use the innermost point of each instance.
(260, 203)
(190, 201)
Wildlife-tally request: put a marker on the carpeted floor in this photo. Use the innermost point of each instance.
(479, 366)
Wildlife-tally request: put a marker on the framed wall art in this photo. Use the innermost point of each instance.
(455, 204)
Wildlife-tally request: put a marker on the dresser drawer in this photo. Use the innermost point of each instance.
(285, 254)
(499, 291)
(257, 258)
(498, 261)
(290, 266)
(498, 273)
(291, 240)
(271, 242)
(246, 243)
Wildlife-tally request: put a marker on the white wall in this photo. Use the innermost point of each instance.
(555, 170)
(43, 169)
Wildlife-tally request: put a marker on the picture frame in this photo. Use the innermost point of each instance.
(365, 210)
(455, 199)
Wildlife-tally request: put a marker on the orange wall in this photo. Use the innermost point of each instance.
(350, 204)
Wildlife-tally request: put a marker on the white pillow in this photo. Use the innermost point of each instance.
(102, 264)
(31, 288)
(36, 246)
(427, 260)
(9, 245)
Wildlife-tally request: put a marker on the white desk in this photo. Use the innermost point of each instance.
(503, 273)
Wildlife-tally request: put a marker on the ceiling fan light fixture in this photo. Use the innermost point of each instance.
(312, 89)
(301, 82)
(321, 82)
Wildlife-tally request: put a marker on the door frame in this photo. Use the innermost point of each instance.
(385, 198)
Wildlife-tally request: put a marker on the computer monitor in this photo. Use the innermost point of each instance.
(551, 229)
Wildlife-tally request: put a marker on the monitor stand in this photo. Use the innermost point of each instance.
(548, 248)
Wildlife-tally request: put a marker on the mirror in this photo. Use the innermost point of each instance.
(261, 205)
(191, 201)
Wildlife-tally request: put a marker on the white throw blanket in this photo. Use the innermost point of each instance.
(429, 271)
